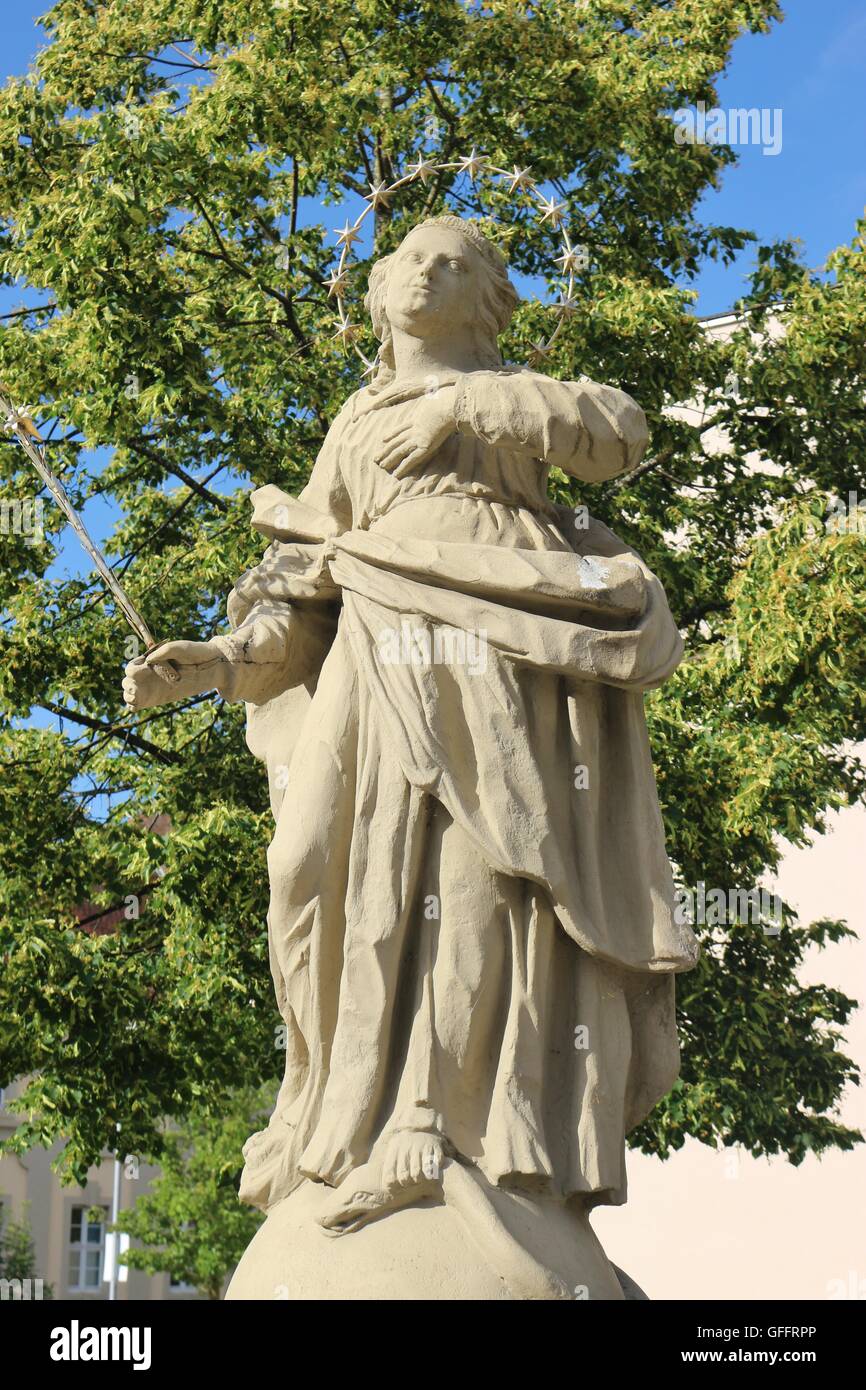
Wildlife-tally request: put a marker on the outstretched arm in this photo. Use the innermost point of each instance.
(277, 645)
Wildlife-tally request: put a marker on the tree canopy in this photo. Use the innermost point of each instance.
(168, 176)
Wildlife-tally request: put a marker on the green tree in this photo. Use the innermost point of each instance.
(190, 1223)
(167, 175)
(17, 1251)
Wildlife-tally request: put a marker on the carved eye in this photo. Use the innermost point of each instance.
(455, 265)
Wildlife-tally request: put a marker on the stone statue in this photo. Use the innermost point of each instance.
(471, 924)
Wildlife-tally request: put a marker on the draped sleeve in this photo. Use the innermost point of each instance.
(591, 431)
(282, 610)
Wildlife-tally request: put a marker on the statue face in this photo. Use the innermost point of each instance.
(433, 283)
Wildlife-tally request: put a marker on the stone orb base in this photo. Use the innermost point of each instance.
(479, 1244)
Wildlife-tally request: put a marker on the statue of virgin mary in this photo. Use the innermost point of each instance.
(472, 929)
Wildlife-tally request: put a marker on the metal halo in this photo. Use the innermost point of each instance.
(548, 210)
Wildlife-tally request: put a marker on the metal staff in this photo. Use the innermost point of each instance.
(18, 422)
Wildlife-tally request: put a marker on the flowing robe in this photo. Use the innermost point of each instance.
(471, 922)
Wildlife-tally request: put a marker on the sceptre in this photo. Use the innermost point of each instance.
(18, 423)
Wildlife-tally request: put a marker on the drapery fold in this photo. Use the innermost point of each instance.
(543, 756)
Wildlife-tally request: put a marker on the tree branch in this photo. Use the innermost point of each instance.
(627, 479)
(29, 309)
(164, 755)
(139, 447)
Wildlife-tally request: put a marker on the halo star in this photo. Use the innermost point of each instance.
(378, 195)
(520, 178)
(472, 164)
(553, 211)
(421, 169)
(572, 258)
(348, 234)
(347, 331)
(538, 351)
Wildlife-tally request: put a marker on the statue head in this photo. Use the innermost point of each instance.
(444, 279)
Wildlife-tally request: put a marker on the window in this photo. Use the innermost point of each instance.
(86, 1249)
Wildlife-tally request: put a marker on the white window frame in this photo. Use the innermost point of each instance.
(82, 1246)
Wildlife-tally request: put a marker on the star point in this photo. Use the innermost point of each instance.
(337, 282)
(347, 331)
(538, 351)
(553, 212)
(348, 234)
(421, 169)
(520, 178)
(378, 195)
(472, 164)
(573, 258)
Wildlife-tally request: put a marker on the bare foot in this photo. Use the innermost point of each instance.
(411, 1169)
(413, 1156)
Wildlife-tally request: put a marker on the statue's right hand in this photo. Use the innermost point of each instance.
(197, 664)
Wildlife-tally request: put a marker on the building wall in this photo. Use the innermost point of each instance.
(711, 1224)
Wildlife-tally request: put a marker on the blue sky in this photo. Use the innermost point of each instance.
(813, 66)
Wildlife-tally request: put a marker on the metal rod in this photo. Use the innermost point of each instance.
(115, 1236)
(25, 432)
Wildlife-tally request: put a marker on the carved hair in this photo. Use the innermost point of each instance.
(496, 302)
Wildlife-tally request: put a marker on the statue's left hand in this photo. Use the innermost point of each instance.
(419, 427)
